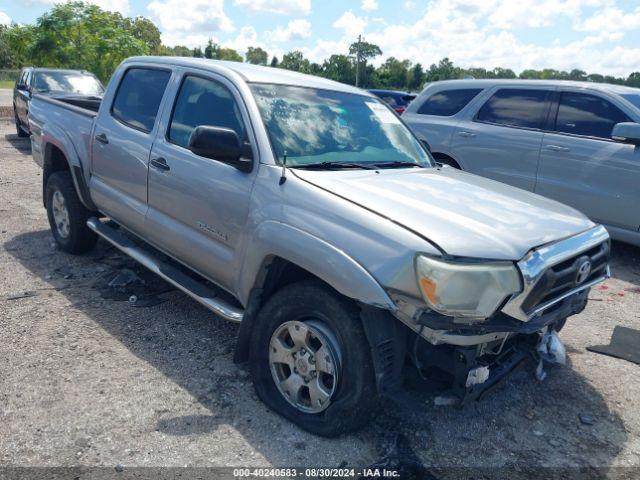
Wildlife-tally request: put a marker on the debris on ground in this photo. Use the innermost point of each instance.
(624, 344)
(399, 457)
(124, 278)
(18, 296)
(586, 419)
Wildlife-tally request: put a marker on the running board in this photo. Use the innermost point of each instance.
(196, 290)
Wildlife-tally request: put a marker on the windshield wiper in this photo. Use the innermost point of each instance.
(334, 165)
(397, 164)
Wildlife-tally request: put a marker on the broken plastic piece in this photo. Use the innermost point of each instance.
(477, 376)
(551, 348)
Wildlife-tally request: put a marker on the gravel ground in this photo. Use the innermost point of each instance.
(88, 379)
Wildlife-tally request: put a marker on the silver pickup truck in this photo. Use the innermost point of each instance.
(306, 210)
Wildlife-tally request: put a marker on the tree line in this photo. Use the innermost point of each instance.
(83, 36)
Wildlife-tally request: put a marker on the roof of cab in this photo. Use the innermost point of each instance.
(484, 83)
(254, 73)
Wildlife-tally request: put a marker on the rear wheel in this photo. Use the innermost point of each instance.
(67, 215)
(310, 360)
(19, 131)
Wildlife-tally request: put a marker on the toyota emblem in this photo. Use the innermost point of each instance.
(584, 270)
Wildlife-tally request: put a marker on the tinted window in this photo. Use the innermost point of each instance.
(138, 97)
(515, 107)
(588, 115)
(448, 102)
(203, 102)
(23, 76)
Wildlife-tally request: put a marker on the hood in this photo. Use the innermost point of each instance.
(463, 214)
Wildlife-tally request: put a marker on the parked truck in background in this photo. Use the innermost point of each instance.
(307, 211)
(51, 81)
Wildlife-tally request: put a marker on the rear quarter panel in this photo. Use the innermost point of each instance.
(68, 128)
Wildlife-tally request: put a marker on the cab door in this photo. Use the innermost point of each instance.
(581, 165)
(123, 136)
(198, 206)
(502, 140)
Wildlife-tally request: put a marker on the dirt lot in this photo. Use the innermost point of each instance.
(87, 378)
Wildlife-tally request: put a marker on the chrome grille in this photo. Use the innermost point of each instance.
(552, 273)
(563, 277)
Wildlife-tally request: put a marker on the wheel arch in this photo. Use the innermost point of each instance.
(55, 159)
(280, 254)
(447, 159)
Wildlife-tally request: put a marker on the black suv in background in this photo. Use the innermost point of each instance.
(51, 81)
(399, 101)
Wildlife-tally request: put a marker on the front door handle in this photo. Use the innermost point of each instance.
(467, 134)
(557, 148)
(102, 138)
(160, 163)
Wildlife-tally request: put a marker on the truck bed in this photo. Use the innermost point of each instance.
(67, 118)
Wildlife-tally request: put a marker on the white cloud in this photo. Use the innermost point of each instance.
(4, 18)
(323, 49)
(470, 34)
(369, 5)
(283, 7)
(610, 19)
(121, 6)
(295, 30)
(188, 26)
(350, 24)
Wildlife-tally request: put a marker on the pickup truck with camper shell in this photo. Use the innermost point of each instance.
(307, 211)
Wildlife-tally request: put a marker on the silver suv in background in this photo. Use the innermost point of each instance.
(575, 142)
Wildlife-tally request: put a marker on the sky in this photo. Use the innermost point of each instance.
(598, 36)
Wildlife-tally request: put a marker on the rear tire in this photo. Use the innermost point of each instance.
(332, 335)
(19, 131)
(67, 215)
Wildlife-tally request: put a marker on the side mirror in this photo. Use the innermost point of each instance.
(627, 132)
(22, 87)
(221, 144)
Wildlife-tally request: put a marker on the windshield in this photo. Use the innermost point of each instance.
(633, 98)
(316, 126)
(68, 82)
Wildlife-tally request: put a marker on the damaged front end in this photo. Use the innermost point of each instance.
(473, 354)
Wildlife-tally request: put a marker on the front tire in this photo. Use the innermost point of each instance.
(67, 215)
(310, 360)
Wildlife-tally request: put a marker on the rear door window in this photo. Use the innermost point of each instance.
(138, 97)
(516, 107)
(202, 101)
(448, 102)
(587, 115)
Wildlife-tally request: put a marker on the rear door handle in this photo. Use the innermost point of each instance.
(160, 163)
(464, 133)
(557, 148)
(102, 138)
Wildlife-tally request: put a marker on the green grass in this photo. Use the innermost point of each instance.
(7, 83)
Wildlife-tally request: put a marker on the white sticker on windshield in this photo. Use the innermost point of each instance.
(382, 113)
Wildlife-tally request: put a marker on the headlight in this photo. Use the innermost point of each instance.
(465, 289)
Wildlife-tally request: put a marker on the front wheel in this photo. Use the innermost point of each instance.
(310, 360)
(67, 215)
